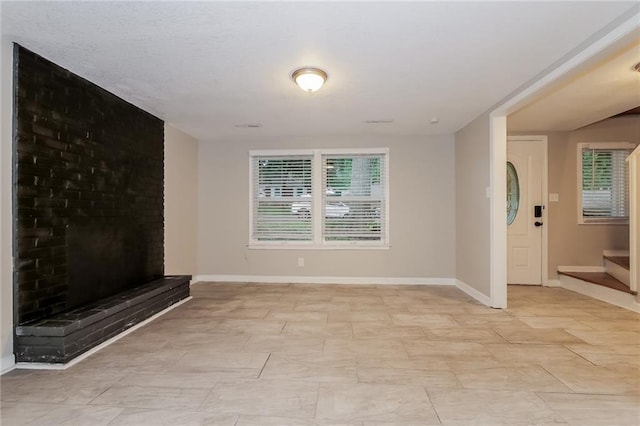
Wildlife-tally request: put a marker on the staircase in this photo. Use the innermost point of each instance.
(617, 265)
(614, 274)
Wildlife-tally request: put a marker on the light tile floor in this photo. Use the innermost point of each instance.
(246, 354)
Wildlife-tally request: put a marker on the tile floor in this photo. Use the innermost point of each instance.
(242, 354)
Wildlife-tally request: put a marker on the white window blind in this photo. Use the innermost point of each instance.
(320, 199)
(281, 198)
(605, 184)
(353, 201)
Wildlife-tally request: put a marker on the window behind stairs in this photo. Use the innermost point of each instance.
(604, 182)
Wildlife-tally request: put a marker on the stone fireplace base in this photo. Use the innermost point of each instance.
(61, 338)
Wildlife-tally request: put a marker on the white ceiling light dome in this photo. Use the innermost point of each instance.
(309, 79)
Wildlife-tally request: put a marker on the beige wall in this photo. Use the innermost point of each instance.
(180, 202)
(422, 230)
(472, 150)
(571, 244)
(583, 244)
(6, 256)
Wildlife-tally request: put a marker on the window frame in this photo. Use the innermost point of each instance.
(318, 242)
(608, 220)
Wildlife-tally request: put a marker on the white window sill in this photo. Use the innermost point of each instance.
(317, 247)
(603, 222)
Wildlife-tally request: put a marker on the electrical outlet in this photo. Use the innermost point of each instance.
(301, 262)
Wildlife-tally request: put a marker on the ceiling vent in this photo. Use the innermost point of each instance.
(248, 125)
(381, 121)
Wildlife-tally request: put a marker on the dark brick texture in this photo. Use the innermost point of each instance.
(88, 191)
(62, 337)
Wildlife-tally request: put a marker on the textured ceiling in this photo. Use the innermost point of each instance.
(208, 66)
(605, 89)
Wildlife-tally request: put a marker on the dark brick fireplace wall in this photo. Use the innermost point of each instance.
(88, 193)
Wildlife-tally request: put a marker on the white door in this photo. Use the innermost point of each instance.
(524, 203)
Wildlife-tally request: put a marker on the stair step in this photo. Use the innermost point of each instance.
(623, 261)
(600, 278)
(614, 266)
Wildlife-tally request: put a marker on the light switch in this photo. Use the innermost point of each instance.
(554, 198)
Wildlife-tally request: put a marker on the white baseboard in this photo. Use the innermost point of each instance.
(581, 269)
(79, 358)
(526, 284)
(480, 297)
(7, 364)
(552, 283)
(273, 279)
(605, 294)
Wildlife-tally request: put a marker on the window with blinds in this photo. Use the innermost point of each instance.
(319, 198)
(282, 198)
(353, 197)
(604, 182)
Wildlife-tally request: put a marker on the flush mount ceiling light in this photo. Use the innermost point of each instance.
(309, 79)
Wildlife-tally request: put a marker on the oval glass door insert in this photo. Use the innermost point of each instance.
(513, 193)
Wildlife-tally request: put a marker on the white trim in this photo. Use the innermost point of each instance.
(603, 221)
(605, 294)
(6, 203)
(618, 272)
(606, 145)
(387, 200)
(498, 212)
(316, 185)
(614, 253)
(281, 245)
(85, 355)
(285, 279)
(250, 192)
(279, 152)
(544, 140)
(623, 27)
(355, 151)
(7, 364)
(545, 215)
(552, 283)
(581, 269)
(634, 219)
(480, 297)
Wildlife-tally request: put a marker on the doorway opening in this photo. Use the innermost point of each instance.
(618, 35)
